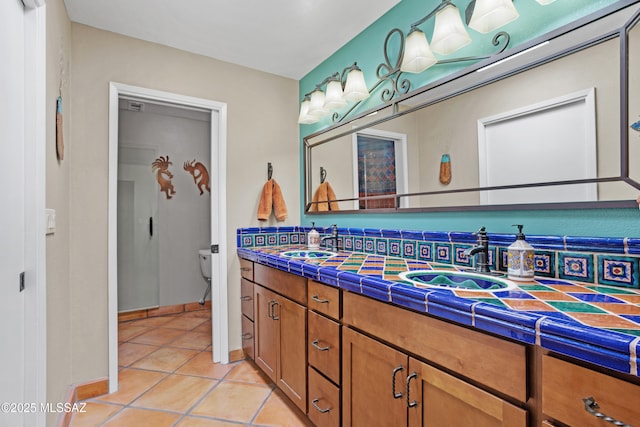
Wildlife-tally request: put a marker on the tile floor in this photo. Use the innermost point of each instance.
(167, 379)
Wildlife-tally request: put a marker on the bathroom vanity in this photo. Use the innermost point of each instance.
(352, 350)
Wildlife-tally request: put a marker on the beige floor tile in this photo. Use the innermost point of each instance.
(194, 340)
(248, 372)
(233, 401)
(131, 384)
(129, 352)
(142, 418)
(277, 412)
(203, 366)
(157, 336)
(95, 413)
(175, 393)
(126, 331)
(204, 327)
(165, 359)
(184, 323)
(203, 314)
(204, 422)
(153, 321)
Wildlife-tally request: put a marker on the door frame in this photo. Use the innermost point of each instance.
(219, 306)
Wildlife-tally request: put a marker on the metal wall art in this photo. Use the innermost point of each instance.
(163, 175)
(200, 175)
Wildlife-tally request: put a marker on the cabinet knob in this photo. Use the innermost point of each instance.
(316, 298)
(411, 403)
(393, 382)
(314, 402)
(316, 343)
(591, 406)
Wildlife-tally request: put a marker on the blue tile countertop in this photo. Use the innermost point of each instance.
(590, 322)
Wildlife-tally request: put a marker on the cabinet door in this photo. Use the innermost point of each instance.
(292, 364)
(266, 331)
(247, 337)
(438, 399)
(373, 382)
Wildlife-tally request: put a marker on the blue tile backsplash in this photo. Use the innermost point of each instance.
(598, 260)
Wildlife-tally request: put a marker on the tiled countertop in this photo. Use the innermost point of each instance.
(593, 323)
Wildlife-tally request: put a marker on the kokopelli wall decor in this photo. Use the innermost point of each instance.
(163, 176)
(199, 172)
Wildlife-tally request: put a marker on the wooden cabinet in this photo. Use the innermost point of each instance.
(324, 401)
(324, 345)
(280, 345)
(246, 305)
(566, 386)
(324, 299)
(383, 386)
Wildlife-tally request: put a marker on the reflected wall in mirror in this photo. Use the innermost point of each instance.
(511, 143)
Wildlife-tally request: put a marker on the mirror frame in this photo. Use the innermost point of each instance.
(350, 126)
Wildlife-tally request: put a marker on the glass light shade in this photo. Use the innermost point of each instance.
(489, 15)
(305, 117)
(333, 98)
(355, 89)
(449, 33)
(316, 104)
(417, 53)
(545, 2)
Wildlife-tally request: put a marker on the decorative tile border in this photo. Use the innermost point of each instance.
(597, 260)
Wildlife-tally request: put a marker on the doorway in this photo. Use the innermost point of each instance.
(217, 238)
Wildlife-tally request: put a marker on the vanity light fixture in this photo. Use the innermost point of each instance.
(489, 15)
(340, 89)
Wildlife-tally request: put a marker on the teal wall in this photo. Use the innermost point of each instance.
(367, 50)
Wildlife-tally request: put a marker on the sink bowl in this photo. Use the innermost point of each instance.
(309, 254)
(457, 280)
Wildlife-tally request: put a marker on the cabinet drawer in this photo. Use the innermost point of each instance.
(324, 401)
(565, 385)
(247, 337)
(503, 364)
(287, 284)
(246, 269)
(324, 345)
(324, 299)
(246, 298)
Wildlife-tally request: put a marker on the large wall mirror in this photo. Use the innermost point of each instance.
(556, 126)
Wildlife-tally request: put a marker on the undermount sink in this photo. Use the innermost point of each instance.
(457, 280)
(309, 254)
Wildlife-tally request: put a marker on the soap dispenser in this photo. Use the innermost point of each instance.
(520, 258)
(313, 238)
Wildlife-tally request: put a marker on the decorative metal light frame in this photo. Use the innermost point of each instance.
(482, 15)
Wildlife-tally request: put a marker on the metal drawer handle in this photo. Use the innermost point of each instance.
(245, 298)
(315, 344)
(411, 403)
(316, 298)
(314, 402)
(275, 304)
(591, 406)
(393, 382)
(245, 269)
(247, 336)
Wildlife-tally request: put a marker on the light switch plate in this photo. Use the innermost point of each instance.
(51, 220)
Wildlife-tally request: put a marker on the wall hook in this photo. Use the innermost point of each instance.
(269, 171)
(323, 174)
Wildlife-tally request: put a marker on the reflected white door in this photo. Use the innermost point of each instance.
(138, 242)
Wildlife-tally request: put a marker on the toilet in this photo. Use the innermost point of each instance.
(205, 268)
(205, 262)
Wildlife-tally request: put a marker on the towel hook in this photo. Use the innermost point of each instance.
(269, 171)
(323, 174)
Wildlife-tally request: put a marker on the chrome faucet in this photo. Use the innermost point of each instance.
(481, 252)
(333, 237)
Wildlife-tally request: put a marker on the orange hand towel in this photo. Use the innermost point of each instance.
(324, 199)
(271, 198)
(279, 206)
(266, 202)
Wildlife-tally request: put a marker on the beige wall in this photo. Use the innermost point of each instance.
(59, 307)
(262, 111)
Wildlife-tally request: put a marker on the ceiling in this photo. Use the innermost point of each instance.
(284, 37)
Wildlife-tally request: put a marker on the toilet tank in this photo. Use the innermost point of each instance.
(205, 262)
